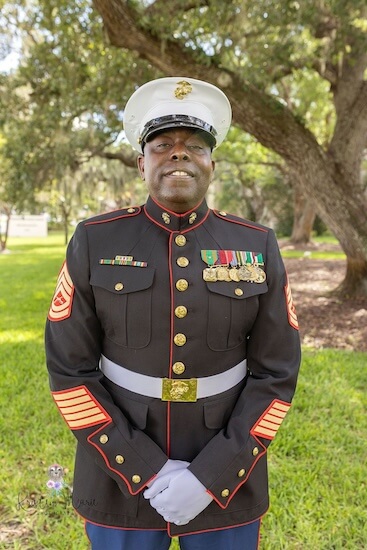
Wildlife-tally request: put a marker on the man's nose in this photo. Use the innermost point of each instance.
(180, 152)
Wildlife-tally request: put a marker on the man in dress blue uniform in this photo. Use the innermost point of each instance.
(172, 344)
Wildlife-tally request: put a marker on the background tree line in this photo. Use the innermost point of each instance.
(295, 73)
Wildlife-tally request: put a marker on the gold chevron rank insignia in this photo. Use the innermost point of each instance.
(269, 422)
(79, 408)
(62, 300)
(291, 310)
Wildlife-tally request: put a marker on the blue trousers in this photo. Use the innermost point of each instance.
(235, 538)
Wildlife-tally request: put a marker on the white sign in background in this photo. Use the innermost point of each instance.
(25, 226)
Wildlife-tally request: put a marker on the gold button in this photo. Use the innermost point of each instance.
(136, 479)
(225, 493)
(182, 285)
(182, 261)
(222, 213)
(131, 210)
(238, 292)
(119, 286)
(241, 473)
(178, 367)
(180, 339)
(103, 439)
(255, 451)
(119, 459)
(181, 312)
(180, 240)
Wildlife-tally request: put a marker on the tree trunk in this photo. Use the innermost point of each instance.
(304, 218)
(4, 237)
(355, 283)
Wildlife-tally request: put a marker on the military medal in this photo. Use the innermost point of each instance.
(222, 273)
(244, 273)
(233, 271)
(233, 274)
(233, 266)
(210, 274)
(261, 275)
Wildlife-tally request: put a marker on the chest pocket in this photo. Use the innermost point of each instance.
(123, 296)
(232, 310)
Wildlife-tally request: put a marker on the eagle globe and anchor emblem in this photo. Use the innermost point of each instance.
(179, 390)
(183, 89)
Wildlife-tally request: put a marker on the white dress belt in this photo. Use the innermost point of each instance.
(150, 386)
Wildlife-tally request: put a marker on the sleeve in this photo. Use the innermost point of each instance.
(273, 361)
(73, 348)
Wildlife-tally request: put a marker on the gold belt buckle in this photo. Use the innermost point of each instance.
(183, 391)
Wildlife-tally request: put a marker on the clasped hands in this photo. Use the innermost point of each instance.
(176, 494)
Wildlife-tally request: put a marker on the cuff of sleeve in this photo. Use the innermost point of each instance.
(238, 472)
(122, 462)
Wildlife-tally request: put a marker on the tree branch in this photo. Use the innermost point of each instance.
(127, 158)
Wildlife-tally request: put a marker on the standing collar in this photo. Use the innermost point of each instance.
(172, 221)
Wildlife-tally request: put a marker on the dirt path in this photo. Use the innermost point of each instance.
(325, 321)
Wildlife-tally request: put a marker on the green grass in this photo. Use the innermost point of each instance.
(317, 462)
(314, 254)
(324, 252)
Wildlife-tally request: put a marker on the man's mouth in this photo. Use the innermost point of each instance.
(180, 173)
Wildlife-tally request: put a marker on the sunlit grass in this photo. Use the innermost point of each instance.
(314, 254)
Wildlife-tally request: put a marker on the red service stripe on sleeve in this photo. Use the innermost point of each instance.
(291, 310)
(270, 421)
(79, 408)
(63, 297)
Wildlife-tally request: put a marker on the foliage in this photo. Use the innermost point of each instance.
(63, 104)
(67, 96)
(252, 182)
(317, 462)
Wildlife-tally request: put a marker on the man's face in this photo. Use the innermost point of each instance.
(178, 168)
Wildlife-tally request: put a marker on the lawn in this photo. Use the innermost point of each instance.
(317, 462)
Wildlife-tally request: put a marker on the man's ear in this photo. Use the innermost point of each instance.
(140, 162)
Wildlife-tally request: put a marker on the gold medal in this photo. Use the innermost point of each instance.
(223, 274)
(244, 273)
(210, 275)
(260, 274)
(253, 274)
(233, 273)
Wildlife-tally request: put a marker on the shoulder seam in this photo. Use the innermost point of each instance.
(126, 214)
(239, 222)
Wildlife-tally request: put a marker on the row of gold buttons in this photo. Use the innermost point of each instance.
(119, 458)
(181, 310)
(226, 492)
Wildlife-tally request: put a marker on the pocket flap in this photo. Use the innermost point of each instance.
(122, 279)
(239, 291)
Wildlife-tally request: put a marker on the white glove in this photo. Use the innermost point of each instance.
(170, 468)
(183, 499)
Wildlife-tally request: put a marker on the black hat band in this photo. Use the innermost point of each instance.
(176, 121)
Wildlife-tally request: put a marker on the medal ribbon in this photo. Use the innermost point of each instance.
(224, 257)
(210, 257)
(233, 259)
